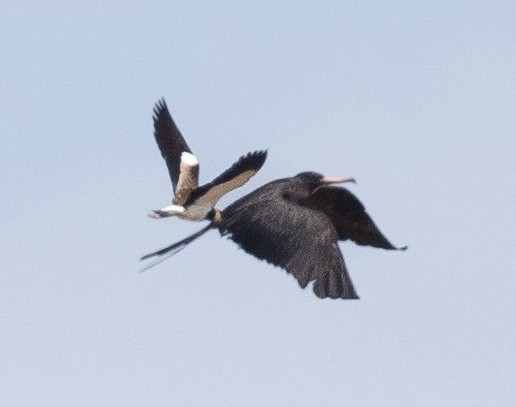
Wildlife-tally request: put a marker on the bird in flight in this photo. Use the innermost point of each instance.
(295, 223)
(191, 201)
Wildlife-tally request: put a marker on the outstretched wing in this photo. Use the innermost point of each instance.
(182, 165)
(235, 176)
(298, 239)
(349, 217)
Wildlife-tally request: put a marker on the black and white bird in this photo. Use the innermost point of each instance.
(296, 223)
(191, 201)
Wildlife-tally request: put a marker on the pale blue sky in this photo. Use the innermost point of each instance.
(416, 100)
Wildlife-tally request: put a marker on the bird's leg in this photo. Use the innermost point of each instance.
(167, 211)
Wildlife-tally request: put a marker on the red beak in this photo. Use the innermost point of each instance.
(335, 180)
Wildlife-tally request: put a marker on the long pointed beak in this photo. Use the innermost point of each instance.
(336, 180)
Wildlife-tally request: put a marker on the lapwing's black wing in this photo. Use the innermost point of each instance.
(296, 238)
(172, 146)
(349, 217)
(235, 176)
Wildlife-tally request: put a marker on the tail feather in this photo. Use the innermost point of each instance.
(173, 248)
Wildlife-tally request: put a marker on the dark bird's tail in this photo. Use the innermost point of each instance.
(174, 248)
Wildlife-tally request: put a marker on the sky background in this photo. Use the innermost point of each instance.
(416, 100)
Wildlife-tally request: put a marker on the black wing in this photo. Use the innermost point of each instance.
(170, 141)
(298, 239)
(349, 217)
(235, 176)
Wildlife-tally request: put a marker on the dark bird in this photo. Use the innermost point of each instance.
(191, 201)
(296, 223)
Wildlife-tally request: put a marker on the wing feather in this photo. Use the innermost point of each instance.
(349, 217)
(170, 142)
(235, 176)
(298, 239)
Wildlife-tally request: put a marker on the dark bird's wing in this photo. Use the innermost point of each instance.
(235, 176)
(349, 217)
(298, 239)
(181, 163)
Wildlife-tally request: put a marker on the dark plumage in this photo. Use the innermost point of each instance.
(295, 223)
(191, 201)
